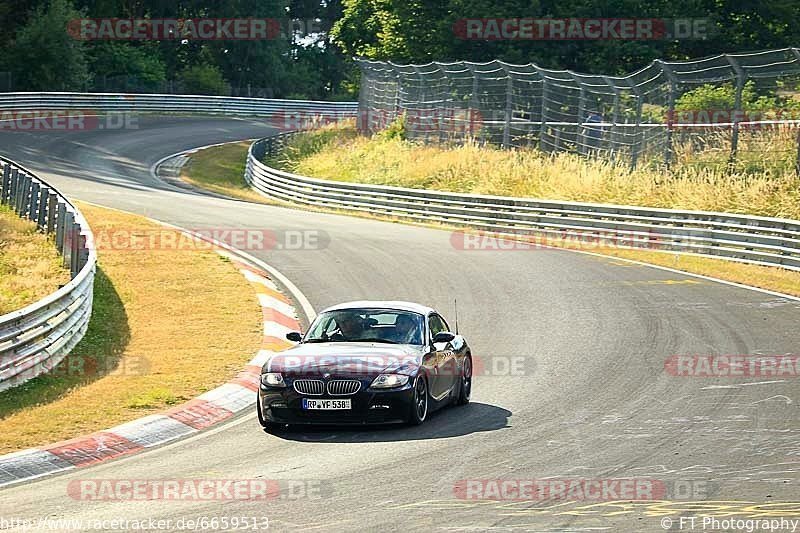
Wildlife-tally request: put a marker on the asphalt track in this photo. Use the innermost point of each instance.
(593, 400)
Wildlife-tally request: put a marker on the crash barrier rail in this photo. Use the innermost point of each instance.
(743, 238)
(172, 103)
(36, 338)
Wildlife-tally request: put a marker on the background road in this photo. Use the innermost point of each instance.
(594, 401)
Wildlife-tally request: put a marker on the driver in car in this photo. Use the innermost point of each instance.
(350, 328)
(405, 330)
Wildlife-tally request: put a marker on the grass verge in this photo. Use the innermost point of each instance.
(320, 153)
(167, 325)
(220, 169)
(337, 153)
(30, 267)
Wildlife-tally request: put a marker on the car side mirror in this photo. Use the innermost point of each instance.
(443, 336)
(294, 336)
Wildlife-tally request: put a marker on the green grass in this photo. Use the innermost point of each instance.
(220, 169)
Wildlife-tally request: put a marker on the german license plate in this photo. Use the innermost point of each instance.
(327, 405)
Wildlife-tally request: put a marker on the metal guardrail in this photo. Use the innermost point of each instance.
(36, 338)
(743, 238)
(33, 340)
(170, 103)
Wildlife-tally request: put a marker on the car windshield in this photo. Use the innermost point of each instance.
(367, 325)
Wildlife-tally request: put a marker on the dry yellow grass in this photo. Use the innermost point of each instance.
(336, 153)
(168, 325)
(531, 173)
(30, 267)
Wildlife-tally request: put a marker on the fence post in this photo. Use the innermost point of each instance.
(673, 89)
(545, 96)
(474, 101)
(797, 161)
(581, 136)
(509, 107)
(737, 105)
(639, 132)
(614, 118)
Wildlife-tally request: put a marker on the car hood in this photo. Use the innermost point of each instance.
(346, 358)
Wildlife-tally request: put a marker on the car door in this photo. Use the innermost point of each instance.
(445, 359)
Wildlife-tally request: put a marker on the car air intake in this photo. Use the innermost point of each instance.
(343, 387)
(310, 387)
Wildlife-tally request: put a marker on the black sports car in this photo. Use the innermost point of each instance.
(367, 363)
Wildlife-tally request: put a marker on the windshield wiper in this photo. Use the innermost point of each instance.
(386, 341)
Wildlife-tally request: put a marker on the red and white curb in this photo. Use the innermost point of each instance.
(197, 414)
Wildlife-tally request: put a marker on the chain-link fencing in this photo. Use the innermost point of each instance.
(732, 111)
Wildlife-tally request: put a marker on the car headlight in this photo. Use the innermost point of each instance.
(272, 379)
(389, 381)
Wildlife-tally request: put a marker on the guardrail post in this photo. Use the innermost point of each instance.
(61, 215)
(33, 207)
(5, 184)
(52, 204)
(67, 245)
(83, 252)
(41, 215)
(12, 189)
(74, 256)
(23, 192)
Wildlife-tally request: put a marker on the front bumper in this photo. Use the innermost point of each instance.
(369, 406)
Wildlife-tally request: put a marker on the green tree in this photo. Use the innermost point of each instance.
(44, 57)
(204, 79)
(139, 65)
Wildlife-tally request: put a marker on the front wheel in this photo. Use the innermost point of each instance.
(419, 407)
(466, 382)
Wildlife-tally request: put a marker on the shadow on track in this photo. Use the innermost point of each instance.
(448, 422)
